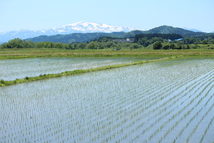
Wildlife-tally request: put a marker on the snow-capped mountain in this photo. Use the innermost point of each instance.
(79, 27)
(91, 27)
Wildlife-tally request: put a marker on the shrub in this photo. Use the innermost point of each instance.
(157, 45)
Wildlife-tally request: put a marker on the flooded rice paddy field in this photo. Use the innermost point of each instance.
(20, 68)
(166, 102)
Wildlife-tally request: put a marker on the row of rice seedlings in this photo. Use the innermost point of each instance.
(184, 116)
(196, 125)
(187, 124)
(208, 127)
(203, 116)
(196, 86)
(131, 123)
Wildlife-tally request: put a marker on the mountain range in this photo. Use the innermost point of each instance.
(87, 31)
(79, 27)
(87, 37)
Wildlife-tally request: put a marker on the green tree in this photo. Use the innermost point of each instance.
(28, 44)
(195, 46)
(172, 46)
(188, 47)
(74, 46)
(157, 45)
(15, 43)
(81, 46)
(135, 46)
(3, 46)
(109, 44)
(65, 46)
(204, 42)
(92, 45)
(47, 44)
(59, 45)
(166, 47)
(39, 45)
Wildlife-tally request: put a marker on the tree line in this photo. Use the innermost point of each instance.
(155, 41)
(19, 43)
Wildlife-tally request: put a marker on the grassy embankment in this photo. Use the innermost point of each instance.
(35, 53)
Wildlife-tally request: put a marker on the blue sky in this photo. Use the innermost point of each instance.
(142, 14)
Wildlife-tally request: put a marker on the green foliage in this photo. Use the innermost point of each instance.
(195, 46)
(3, 46)
(172, 46)
(147, 39)
(15, 43)
(135, 46)
(18, 43)
(204, 42)
(92, 45)
(166, 47)
(157, 45)
(190, 40)
(188, 47)
(163, 36)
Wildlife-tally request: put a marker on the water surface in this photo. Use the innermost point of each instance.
(21, 68)
(170, 101)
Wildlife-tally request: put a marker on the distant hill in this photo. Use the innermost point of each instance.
(169, 29)
(76, 37)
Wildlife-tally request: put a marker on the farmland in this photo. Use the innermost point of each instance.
(12, 69)
(162, 101)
